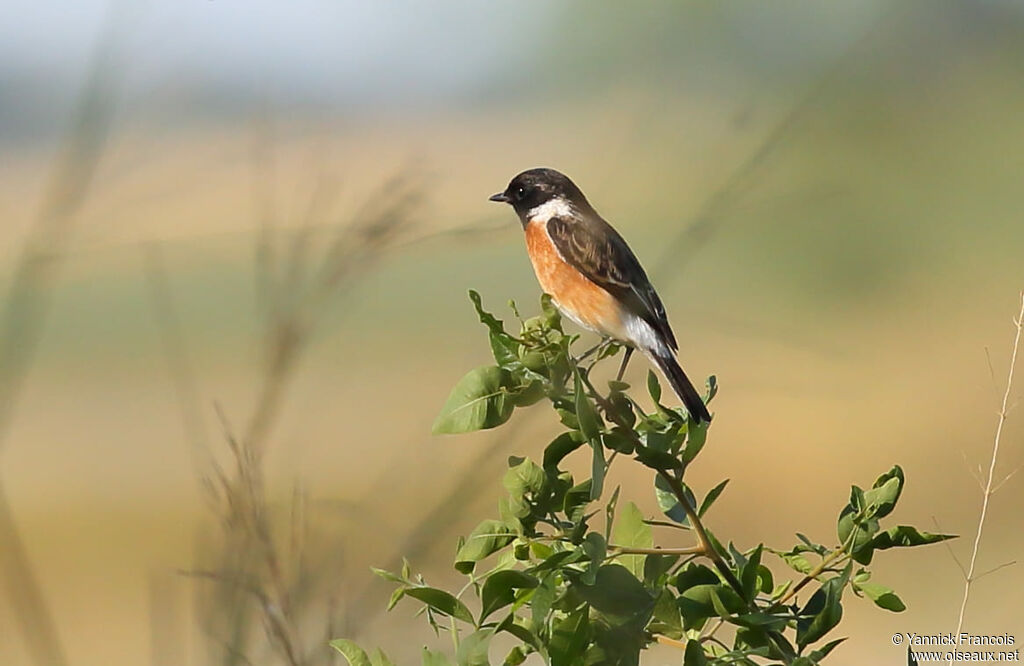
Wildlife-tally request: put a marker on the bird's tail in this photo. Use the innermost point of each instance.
(682, 386)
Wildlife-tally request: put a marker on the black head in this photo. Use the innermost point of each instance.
(538, 186)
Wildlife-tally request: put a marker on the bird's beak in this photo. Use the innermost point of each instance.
(500, 197)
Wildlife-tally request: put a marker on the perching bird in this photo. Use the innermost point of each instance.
(592, 275)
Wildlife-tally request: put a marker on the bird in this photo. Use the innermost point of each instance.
(592, 275)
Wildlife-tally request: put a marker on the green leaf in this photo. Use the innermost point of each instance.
(506, 349)
(525, 477)
(885, 492)
(760, 644)
(824, 650)
(540, 603)
(695, 574)
(905, 536)
(696, 436)
(569, 637)
(479, 401)
(431, 658)
(766, 581)
(596, 549)
(667, 620)
(527, 394)
(694, 655)
(656, 567)
(883, 596)
(378, 658)
(712, 385)
(622, 407)
(442, 602)
(880, 501)
(668, 503)
(510, 626)
(486, 538)
(726, 602)
(700, 602)
(576, 500)
(653, 387)
(591, 427)
(396, 596)
(598, 468)
(750, 574)
(822, 612)
(617, 441)
(711, 497)
(656, 459)
(615, 591)
(552, 318)
(609, 511)
(761, 620)
(855, 533)
(499, 590)
(352, 652)
(473, 648)
(387, 575)
(590, 420)
(796, 561)
(559, 448)
(493, 324)
(631, 531)
(515, 656)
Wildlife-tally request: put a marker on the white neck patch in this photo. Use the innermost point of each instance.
(557, 207)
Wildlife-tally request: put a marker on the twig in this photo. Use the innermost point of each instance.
(995, 569)
(628, 550)
(952, 554)
(665, 523)
(970, 578)
(825, 563)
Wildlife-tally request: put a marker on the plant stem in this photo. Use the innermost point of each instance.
(704, 547)
(703, 541)
(825, 563)
(970, 578)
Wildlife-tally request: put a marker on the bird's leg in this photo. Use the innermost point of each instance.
(625, 362)
(590, 352)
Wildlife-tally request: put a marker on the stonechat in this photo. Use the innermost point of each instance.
(593, 276)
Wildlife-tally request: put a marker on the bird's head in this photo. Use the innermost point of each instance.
(531, 190)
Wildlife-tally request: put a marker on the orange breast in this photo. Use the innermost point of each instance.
(577, 297)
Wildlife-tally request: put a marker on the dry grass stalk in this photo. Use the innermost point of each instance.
(261, 559)
(989, 488)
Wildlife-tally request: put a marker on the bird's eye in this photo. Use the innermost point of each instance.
(520, 192)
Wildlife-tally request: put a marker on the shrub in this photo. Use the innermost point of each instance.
(571, 571)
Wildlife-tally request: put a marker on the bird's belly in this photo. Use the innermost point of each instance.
(577, 297)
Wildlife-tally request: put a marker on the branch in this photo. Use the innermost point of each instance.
(704, 542)
(704, 546)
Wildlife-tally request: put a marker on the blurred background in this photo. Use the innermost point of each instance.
(257, 223)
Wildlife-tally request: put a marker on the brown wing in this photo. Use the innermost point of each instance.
(597, 251)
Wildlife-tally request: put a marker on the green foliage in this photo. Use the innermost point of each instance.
(577, 579)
